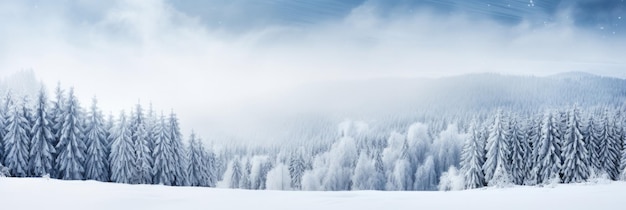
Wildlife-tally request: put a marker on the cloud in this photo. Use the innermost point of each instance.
(125, 50)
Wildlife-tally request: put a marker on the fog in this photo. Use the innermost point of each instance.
(125, 51)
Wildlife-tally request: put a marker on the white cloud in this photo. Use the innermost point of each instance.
(136, 49)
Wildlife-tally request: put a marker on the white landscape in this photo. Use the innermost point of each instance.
(312, 104)
(19, 193)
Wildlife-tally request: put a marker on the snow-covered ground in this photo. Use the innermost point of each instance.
(40, 193)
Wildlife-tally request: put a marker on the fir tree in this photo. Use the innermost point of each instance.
(162, 155)
(143, 154)
(41, 150)
(97, 163)
(472, 160)
(609, 146)
(178, 160)
(592, 145)
(296, 169)
(57, 116)
(496, 167)
(195, 162)
(122, 155)
(548, 165)
(71, 147)
(576, 165)
(16, 141)
(520, 152)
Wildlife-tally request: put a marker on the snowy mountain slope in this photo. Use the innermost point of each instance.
(39, 193)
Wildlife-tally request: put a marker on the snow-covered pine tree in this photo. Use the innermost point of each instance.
(97, 163)
(16, 141)
(122, 157)
(592, 144)
(204, 178)
(162, 155)
(472, 160)
(548, 165)
(236, 173)
(576, 162)
(41, 149)
(141, 147)
(609, 148)
(57, 117)
(496, 167)
(211, 164)
(533, 128)
(4, 109)
(520, 152)
(296, 168)
(194, 170)
(179, 156)
(71, 147)
(245, 182)
(379, 175)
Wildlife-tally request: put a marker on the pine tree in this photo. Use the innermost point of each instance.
(4, 109)
(576, 165)
(16, 141)
(296, 169)
(141, 147)
(204, 178)
(592, 145)
(195, 162)
(236, 174)
(178, 160)
(57, 117)
(362, 178)
(497, 167)
(41, 150)
(71, 147)
(97, 163)
(533, 128)
(520, 152)
(162, 155)
(122, 157)
(472, 160)
(609, 146)
(548, 165)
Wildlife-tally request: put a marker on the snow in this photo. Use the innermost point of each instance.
(42, 193)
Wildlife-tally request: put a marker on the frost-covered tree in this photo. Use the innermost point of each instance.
(520, 152)
(57, 117)
(451, 180)
(278, 178)
(244, 183)
(122, 157)
(576, 162)
(592, 144)
(609, 145)
(472, 160)
(141, 147)
(425, 176)
(194, 169)
(497, 166)
(364, 174)
(4, 109)
(178, 159)
(296, 169)
(162, 154)
(97, 163)
(533, 129)
(41, 149)
(71, 147)
(16, 141)
(236, 173)
(548, 165)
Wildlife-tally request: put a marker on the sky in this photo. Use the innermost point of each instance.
(207, 58)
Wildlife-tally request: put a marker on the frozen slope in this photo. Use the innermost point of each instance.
(38, 193)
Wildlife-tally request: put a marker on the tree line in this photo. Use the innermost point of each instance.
(60, 139)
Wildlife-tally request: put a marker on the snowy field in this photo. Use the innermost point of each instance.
(39, 193)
